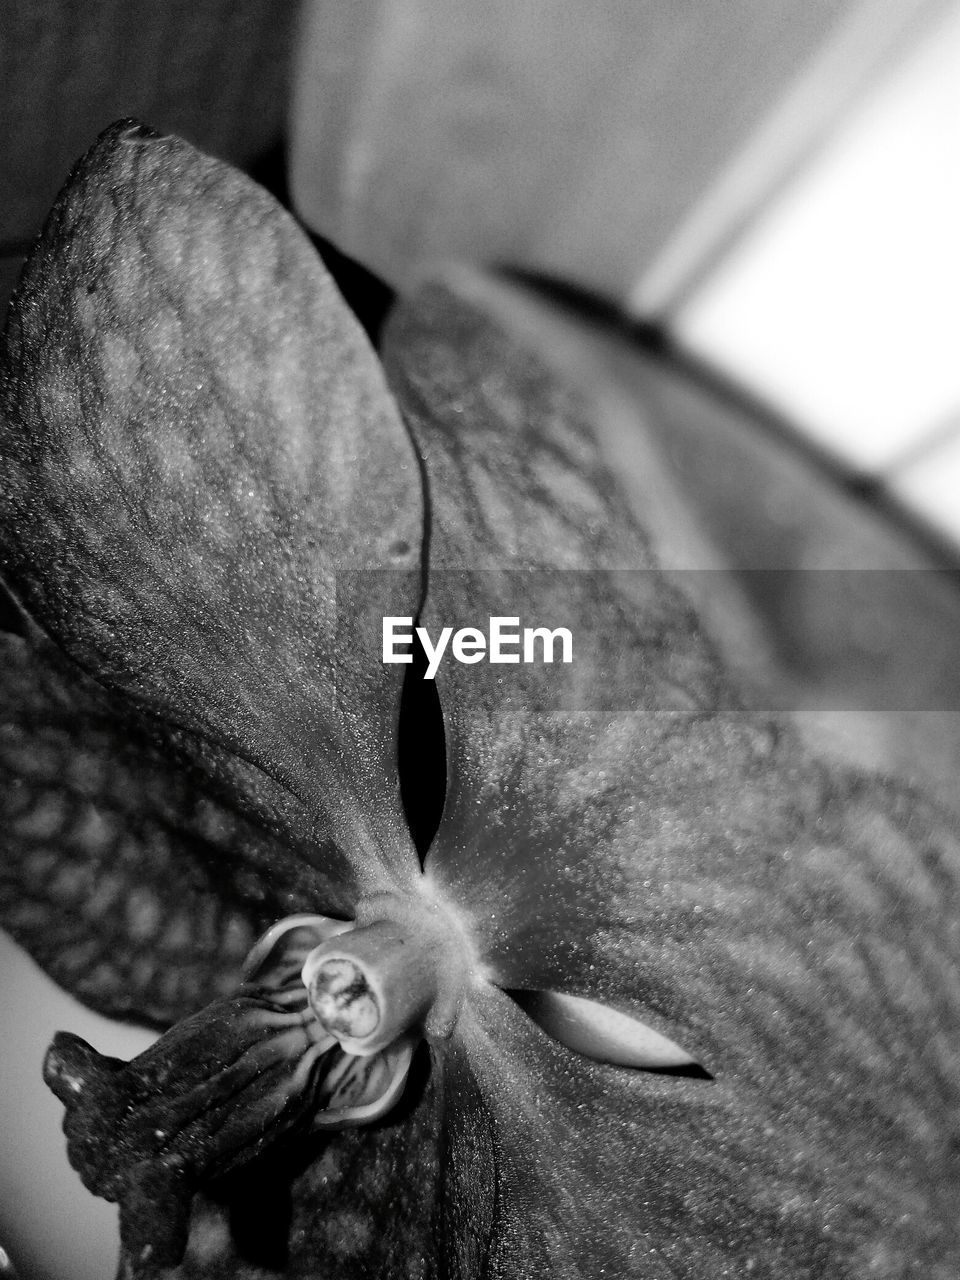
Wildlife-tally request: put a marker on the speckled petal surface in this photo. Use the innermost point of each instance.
(411, 1198)
(203, 467)
(621, 830)
(135, 891)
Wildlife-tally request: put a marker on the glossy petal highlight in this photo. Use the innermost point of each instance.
(602, 1033)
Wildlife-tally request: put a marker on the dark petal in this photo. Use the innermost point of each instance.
(623, 833)
(136, 891)
(212, 1095)
(410, 1197)
(154, 1220)
(202, 469)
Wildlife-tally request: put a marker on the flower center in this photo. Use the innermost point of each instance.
(343, 1000)
(405, 966)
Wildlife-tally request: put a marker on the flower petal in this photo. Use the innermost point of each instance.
(133, 889)
(589, 807)
(561, 777)
(604, 1172)
(628, 835)
(203, 468)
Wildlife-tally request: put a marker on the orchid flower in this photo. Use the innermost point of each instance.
(665, 996)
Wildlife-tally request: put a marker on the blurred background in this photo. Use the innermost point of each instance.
(733, 222)
(773, 185)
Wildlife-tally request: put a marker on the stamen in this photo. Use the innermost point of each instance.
(281, 951)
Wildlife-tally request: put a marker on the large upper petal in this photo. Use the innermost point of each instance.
(203, 473)
(559, 776)
(620, 830)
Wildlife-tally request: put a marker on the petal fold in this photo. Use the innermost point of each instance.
(360, 1090)
(601, 1032)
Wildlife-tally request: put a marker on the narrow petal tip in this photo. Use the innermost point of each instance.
(69, 1065)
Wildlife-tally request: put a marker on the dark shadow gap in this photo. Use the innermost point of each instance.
(421, 744)
(18, 247)
(421, 753)
(11, 619)
(689, 1071)
(367, 296)
(421, 739)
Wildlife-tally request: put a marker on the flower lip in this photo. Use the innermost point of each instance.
(406, 966)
